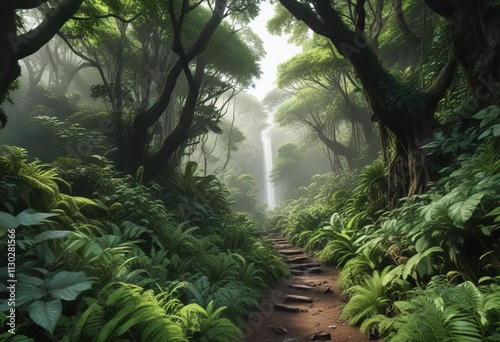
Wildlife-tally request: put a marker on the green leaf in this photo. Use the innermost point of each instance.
(25, 278)
(68, 285)
(496, 130)
(485, 133)
(396, 272)
(462, 211)
(415, 260)
(52, 234)
(15, 338)
(83, 201)
(487, 113)
(25, 293)
(30, 217)
(47, 314)
(486, 230)
(495, 212)
(8, 221)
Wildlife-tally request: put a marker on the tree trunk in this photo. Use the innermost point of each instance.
(477, 47)
(157, 163)
(476, 40)
(405, 111)
(361, 116)
(335, 146)
(14, 47)
(136, 148)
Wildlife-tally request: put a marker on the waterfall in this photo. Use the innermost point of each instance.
(268, 166)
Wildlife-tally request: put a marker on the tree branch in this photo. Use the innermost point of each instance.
(436, 90)
(33, 40)
(378, 24)
(445, 8)
(335, 146)
(92, 62)
(361, 14)
(109, 15)
(400, 19)
(180, 134)
(149, 117)
(305, 14)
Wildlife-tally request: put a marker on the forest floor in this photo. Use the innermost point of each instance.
(315, 319)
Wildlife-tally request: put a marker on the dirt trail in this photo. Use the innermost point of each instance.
(307, 305)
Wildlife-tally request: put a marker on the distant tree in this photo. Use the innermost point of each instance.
(245, 194)
(16, 44)
(313, 108)
(288, 172)
(327, 99)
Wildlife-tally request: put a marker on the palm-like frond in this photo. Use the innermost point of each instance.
(38, 183)
(126, 312)
(219, 269)
(368, 299)
(207, 325)
(443, 313)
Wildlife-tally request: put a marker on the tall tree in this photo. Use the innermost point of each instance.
(15, 45)
(475, 27)
(399, 106)
(164, 72)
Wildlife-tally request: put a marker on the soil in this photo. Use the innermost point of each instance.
(308, 321)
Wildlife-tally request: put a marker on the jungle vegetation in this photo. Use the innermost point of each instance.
(131, 165)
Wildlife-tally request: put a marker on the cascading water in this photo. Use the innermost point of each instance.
(268, 166)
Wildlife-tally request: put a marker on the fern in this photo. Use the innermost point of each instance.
(340, 248)
(179, 239)
(38, 183)
(443, 313)
(354, 272)
(206, 325)
(219, 269)
(381, 325)
(368, 299)
(127, 312)
(239, 300)
(199, 291)
(248, 273)
(266, 258)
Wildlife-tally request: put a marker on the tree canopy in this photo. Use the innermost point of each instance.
(136, 166)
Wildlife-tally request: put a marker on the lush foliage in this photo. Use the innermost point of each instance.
(427, 270)
(123, 263)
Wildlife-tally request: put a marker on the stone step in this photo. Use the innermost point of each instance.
(297, 259)
(297, 272)
(291, 251)
(315, 270)
(304, 265)
(284, 307)
(283, 246)
(300, 287)
(278, 240)
(296, 298)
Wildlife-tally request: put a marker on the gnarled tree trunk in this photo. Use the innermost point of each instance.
(476, 40)
(406, 112)
(137, 148)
